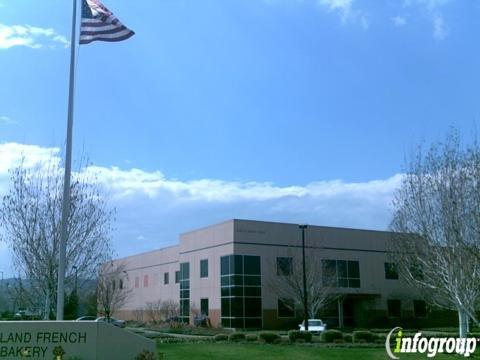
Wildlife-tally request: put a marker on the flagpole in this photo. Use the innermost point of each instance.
(68, 171)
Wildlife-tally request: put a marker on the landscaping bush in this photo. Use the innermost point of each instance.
(364, 336)
(329, 336)
(236, 337)
(146, 355)
(221, 337)
(251, 337)
(295, 335)
(269, 337)
(348, 338)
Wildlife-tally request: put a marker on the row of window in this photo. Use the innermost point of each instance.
(395, 308)
(341, 273)
(166, 275)
(241, 291)
(286, 308)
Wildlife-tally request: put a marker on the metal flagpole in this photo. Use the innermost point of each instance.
(68, 171)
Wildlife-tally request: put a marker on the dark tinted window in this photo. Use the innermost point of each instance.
(253, 307)
(353, 270)
(177, 277)
(252, 265)
(204, 306)
(391, 272)
(286, 308)
(342, 269)
(184, 271)
(394, 308)
(166, 278)
(204, 268)
(419, 308)
(284, 266)
(225, 265)
(237, 264)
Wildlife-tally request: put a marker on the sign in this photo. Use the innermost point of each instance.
(61, 340)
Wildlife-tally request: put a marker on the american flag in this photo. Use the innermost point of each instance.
(99, 24)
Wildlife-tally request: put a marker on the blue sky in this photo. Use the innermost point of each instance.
(284, 110)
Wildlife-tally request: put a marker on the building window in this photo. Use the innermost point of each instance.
(419, 308)
(241, 291)
(121, 284)
(286, 308)
(185, 292)
(204, 268)
(284, 266)
(341, 273)
(204, 307)
(394, 308)
(177, 277)
(391, 271)
(166, 279)
(137, 282)
(416, 272)
(145, 281)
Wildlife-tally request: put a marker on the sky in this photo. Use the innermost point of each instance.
(301, 111)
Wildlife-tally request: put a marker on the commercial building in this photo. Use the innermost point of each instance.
(232, 272)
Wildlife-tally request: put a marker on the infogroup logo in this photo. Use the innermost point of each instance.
(429, 346)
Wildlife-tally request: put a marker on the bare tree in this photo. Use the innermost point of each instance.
(289, 286)
(437, 220)
(30, 216)
(112, 292)
(161, 310)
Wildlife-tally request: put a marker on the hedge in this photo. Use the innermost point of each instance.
(269, 337)
(251, 337)
(329, 336)
(221, 337)
(236, 337)
(364, 336)
(295, 335)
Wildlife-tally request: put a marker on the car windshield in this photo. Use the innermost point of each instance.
(314, 323)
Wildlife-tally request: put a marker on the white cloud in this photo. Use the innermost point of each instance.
(399, 21)
(440, 30)
(7, 120)
(152, 209)
(29, 36)
(347, 11)
(434, 12)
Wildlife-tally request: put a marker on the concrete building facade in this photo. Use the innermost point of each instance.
(228, 271)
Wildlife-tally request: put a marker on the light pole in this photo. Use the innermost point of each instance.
(305, 293)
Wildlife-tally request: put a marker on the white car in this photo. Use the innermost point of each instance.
(314, 325)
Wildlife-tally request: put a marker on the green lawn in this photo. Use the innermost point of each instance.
(212, 351)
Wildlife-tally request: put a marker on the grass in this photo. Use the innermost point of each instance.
(212, 351)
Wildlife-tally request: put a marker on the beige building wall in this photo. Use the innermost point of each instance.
(268, 240)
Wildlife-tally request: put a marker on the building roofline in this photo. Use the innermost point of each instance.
(207, 227)
(146, 252)
(316, 226)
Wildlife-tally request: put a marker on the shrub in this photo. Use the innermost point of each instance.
(236, 337)
(347, 338)
(363, 336)
(295, 335)
(221, 337)
(269, 337)
(146, 355)
(251, 337)
(329, 336)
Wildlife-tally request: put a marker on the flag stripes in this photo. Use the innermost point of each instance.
(99, 24)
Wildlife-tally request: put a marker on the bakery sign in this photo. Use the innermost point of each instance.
(62, 340)
(38, 345)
